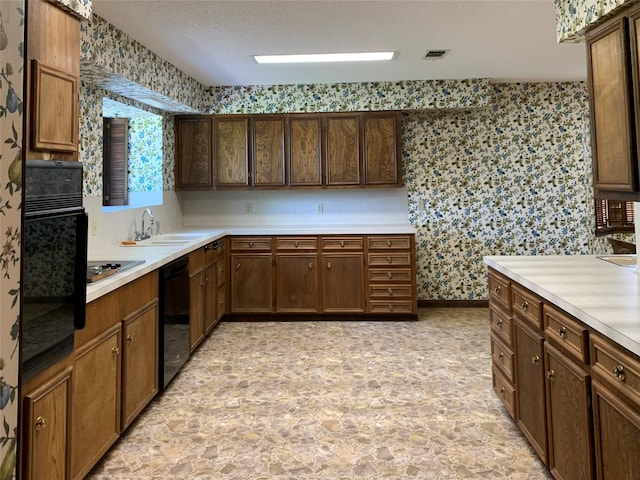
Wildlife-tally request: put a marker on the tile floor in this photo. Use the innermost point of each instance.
(331, 400)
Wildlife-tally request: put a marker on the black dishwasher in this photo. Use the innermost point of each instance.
(174, 319)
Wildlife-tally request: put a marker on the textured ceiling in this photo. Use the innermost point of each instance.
(213, 41)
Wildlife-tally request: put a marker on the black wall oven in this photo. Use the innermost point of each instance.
(54, 263)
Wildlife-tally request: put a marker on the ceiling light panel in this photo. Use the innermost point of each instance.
(327, 57)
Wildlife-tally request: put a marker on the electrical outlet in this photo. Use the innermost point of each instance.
(319, 208)
(94, 228)
(248, 208)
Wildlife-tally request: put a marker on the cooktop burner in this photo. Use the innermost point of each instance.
(99, 269)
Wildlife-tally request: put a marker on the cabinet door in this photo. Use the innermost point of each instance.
(46, 429)
(95, 424)
(251, 283)
(381, 149)
(231, 154)
(193, 169)
(569, 417)
(617, 435)
(140, 361)
(530, 380)
(210, 297)
(343, 149)
(196, 309)
(297, 282)
(343, 282)
(305, 150)
(614, 157)
(268, 150)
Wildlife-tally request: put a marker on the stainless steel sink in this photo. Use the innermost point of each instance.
(620, 260)
(169, 240)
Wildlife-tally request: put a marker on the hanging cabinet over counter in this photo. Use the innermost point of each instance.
(282, 151)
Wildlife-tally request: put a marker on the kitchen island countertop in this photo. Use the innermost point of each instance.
(604, 296)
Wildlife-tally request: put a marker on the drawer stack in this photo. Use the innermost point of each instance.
(390, 272)
(502, 345)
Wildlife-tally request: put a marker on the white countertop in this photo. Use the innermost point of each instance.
(604, 296)
(157, 256)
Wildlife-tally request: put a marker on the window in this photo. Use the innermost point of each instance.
(613, 216)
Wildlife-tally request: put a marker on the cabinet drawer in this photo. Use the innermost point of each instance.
(402, 259)
(209, 254)
(618, 369)
(196, 261)
(251, 243)
(502, 326)
(499, 290)
(505, 391)
(342, 243)
(390, 242)
(390, 291)
(390, 275)
(566, 332)
(391, 306)
(527, 305)
(296, 243)
(502, 357)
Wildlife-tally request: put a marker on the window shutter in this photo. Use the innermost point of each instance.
(115, 161)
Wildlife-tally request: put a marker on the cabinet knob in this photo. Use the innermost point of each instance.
(525, 306)
(390, 275)
(41, 423)
(619, 373)
(238, 266)
(328, 265)
(342, 243)
(310, 265)
(220, 270)
(250, 244)
(390, 291)
(551, 375)
(497, 289)
(499, 322)
(389, 259)
(562, 331)
(129, 339)
(388, 243)
(115, 350)
(390, 308)
(295, 244)
(535, 360)
(207, 280)
(502, 390)
(501, 355)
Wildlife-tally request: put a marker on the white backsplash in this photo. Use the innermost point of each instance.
(295, 207)
(111, 228)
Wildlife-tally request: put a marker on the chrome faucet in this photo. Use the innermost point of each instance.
(144, 234)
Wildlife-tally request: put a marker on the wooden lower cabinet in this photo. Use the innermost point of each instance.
(210, 297)
(140, 361)
(196, 310)
(530, 382)
(95, 402)
(297, 282)
(46, 429)
(342, 282)
(251, 283)
(569, 417)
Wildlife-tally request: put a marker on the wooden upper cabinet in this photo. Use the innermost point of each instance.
(231, 150)
(53, 76)
(381, 148)
(194, 168)
(305, 150)
(343, 149)
(268, 142)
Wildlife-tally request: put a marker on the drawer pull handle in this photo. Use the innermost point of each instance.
(619, 373)
(328, 265)
(41, 423)
(250, 244)
(525, 306)
(501, 355)
(562, 331)
(238, 267)
(296, 243)
(551, 375)
(129, 339)
(497, 289)
(535, 360)
(388, 243)
(390, 275)
(342, 243)
(389, 259)
(390, 291)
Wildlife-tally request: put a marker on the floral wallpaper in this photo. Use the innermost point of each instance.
(80, 8)
(513, 179)
(342, 97)
(145, 154)
(574, 16)
(11, 114)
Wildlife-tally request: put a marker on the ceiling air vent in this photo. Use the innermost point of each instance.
(435, 54)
